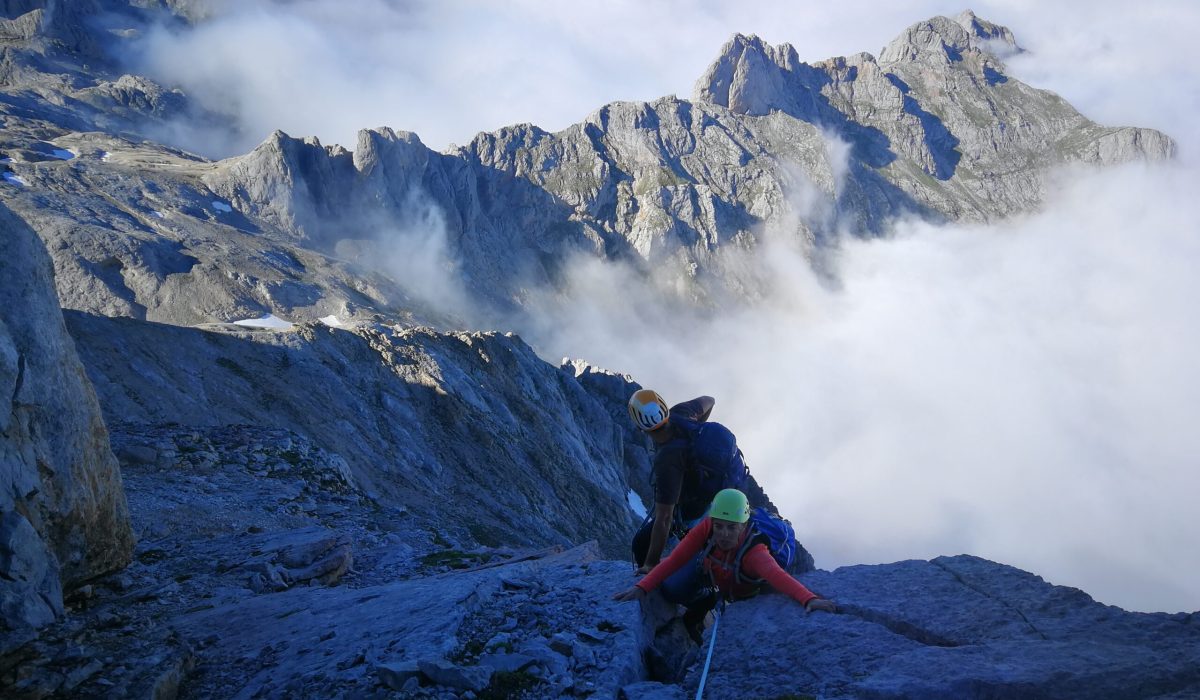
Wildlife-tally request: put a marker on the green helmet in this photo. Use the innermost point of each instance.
(730, 505)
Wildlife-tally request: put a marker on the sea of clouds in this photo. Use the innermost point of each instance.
(1024, 391)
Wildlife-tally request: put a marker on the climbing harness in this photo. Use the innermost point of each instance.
(712, 642)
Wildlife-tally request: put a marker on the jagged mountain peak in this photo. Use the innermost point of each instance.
(943, 41)
(745, 60)
(994, 36)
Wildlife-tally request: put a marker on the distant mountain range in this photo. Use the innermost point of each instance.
(933, 127)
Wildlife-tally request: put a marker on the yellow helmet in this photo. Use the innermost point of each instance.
(648, 410)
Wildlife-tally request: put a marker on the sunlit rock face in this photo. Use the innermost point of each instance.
(768, 144)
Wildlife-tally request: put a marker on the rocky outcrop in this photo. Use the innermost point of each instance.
(420, 612)
(950, 627)
(63, 517)
(471, 430)
(613, 391)
(494, 232)
(935, 114)
(134, 232)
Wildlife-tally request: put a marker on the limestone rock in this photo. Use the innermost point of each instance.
(64, 516)
(946, 627)
(397, 675)
(934, 125)
(32, 593)
(507, 663)
(442, 672)
(470, 429)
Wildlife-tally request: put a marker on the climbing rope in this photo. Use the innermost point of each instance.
(712, 642)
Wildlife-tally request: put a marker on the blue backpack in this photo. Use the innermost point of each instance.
(713, 449)
(777, 534)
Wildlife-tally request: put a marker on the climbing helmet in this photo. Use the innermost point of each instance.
(731, 505)
(648, 410)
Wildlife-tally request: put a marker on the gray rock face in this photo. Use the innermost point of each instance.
(500, 233)
(63, 516)
(935, 114)
(947, 628)
(417, 611)
(31, 596)
(468, 429)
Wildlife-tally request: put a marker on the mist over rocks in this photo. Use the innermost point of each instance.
(63, 515)
(134, 231)
(935, 114)
(933, 128)
(677, 190)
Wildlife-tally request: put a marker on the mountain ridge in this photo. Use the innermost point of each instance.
(667, 187)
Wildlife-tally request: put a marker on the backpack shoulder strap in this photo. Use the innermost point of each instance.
(752, 538)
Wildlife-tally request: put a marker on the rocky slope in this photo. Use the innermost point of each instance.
(469, 430)
(262, 571)
(952, 627)
(63, 517)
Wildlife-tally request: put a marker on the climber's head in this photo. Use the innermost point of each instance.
(648, 410)
(730, 510)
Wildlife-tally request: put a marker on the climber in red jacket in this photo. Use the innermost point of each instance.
(713, 556)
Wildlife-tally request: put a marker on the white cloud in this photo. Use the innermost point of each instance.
(414, 251)
(1024, 392)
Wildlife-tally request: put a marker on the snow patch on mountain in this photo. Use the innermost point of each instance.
(267, 321)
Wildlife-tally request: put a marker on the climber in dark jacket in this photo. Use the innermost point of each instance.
(679, 498)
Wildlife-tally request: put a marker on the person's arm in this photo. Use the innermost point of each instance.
(759, 563)
(663, 513)
(691, 545)
(687, 549)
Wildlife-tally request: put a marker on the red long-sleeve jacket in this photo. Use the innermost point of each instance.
(756, 563)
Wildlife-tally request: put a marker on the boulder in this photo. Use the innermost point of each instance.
(442, 672)
(63, 515)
